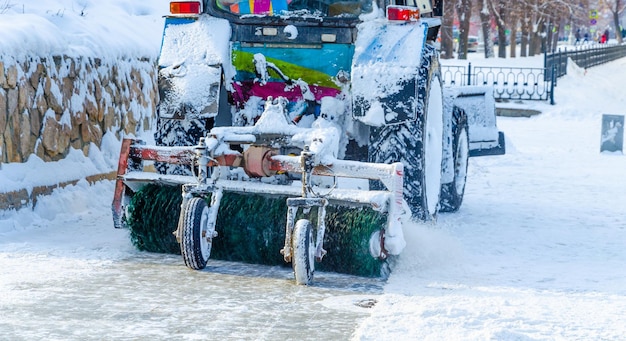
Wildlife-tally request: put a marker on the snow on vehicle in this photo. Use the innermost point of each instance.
(329, 106)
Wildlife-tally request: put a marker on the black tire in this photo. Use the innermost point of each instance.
(452, 192)
(185, 132)
(408, 142)
(303, 252)
(196, 239)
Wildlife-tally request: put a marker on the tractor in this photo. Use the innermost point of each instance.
(302, 132)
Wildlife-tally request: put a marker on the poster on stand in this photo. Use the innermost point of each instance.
(612, 133)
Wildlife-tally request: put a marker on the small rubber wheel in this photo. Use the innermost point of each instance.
(197, 238)
(303, 257)
(452, 192)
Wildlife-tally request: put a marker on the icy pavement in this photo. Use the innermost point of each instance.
(153, 297)
(72, 276)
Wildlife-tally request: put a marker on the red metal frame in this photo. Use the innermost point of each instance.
(120, 187)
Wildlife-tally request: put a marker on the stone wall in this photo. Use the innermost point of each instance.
(51, 104)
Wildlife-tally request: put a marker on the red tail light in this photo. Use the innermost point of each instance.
(185, 7)
(403, 13)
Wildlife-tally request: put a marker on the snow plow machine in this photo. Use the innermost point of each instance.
(302, 132)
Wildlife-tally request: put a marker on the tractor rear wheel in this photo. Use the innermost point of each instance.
(417, 144)
(186, 132)
(303, 248)
(452, 192)
(196, 239)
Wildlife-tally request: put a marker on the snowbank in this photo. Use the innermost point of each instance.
(81, 28)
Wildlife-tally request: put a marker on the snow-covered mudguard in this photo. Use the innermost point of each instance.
(178, 87)
(190, 71)
(385, 72)
(393, 71)
(190, 82)
(479, 106)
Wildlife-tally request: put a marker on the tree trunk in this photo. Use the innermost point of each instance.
(513, 25)
(501, 13)
(447, 41)
(549, 45)
(618, 30)
(464, 12)
(485, 20)
(537, 39)
(501, 41)
(525, 34)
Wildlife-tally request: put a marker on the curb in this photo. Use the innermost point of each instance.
(21, 198)
(516, 112)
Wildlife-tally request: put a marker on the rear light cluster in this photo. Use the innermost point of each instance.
(185, 7)
(402, 13)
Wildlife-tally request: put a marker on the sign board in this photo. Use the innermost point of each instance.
(612, 133)
(593, 14)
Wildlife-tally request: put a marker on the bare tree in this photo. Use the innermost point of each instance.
(513, 21)
(526, 29)
(500, 11)
(540, 23)
(464, 12)
(616, 7)
(5, 6)
(485, 24)
(447, 40)
(540, 15)
(547, 17)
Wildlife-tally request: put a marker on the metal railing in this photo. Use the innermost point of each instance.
(509, 83)
(583, 56)
(523, 83)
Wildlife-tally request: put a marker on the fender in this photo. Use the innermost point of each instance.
(480, 107)
(385, 71)
(194, 55)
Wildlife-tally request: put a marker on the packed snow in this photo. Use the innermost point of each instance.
(86, 28)
(536, 252)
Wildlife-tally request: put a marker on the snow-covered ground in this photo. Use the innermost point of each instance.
(86, 28)
(537, 250)
(535, 253)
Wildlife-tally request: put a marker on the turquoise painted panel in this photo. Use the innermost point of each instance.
(329, 59)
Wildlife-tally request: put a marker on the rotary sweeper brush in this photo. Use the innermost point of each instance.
(300, 132)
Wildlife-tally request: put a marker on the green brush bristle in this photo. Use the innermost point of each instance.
(152, 217)
(251, 229)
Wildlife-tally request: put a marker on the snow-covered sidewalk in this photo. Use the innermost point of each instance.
(537, 249)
